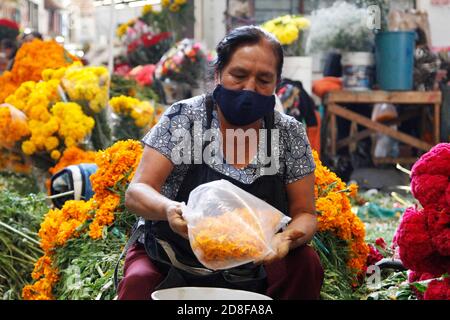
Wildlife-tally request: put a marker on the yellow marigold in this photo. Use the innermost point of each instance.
(123, 104)
(43, 268)
(180, 2)
(51, 143)
(141, 111)
(286, 28)
(28, 147)
(174, 7)
(55, 154)
(89, 84)
(165, 3)
(147, 9)
(31, 59)
(73, 123)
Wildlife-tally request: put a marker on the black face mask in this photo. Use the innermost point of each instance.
(242, 107)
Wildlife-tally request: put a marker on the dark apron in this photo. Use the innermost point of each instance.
(183, 268)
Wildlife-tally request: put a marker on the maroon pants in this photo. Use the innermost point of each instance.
(298, 276)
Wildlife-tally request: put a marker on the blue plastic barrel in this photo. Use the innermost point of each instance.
(394, 55)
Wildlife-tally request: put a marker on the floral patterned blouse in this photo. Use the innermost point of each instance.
(295, 157)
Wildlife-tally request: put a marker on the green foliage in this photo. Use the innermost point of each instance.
(333, 253)
(20, 183)
(87, 266)
(121, 86)
(20, 219)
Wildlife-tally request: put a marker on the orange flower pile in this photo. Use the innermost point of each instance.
(13, 126)
(46, 276)
(117, 165)
(335, 215)
(233, 237)
(59, 225)
(31, 59)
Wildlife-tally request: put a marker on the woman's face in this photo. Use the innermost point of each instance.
(251, 67)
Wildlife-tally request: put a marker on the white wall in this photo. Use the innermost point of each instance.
(439, 18)
(103, 20)
(209, 21)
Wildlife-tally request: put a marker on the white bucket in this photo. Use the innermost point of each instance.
(206, 293)
(358, 70)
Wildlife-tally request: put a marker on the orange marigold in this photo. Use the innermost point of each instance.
(31, 59)
(59, 225)
(13, 126)
(116, 167)
(72, 156)
(335, 214)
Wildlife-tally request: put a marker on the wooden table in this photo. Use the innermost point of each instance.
(333, 101)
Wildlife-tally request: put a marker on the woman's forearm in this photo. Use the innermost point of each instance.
(143, 200)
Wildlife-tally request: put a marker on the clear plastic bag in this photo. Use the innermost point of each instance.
(228, 226)
(384, 112)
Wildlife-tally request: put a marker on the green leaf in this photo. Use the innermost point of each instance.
(420, 287)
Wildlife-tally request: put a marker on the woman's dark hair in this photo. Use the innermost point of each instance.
(246, 35)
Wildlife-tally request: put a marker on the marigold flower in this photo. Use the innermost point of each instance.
(174, 7)
(31, 60)
(28, 147)
(55, 154)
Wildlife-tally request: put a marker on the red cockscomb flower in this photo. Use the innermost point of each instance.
(438, 290)
(439, 228)
(414, 276)
(430, 176)
(381, 243)
(415, 245)
(374, 255)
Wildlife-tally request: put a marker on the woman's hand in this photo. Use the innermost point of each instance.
(281, 244)
(175, 219)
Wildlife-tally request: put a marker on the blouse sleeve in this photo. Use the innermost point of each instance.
(298, 154)
(160, 137)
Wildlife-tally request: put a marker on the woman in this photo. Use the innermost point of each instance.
(247, 70)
